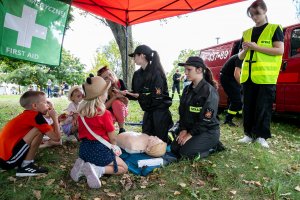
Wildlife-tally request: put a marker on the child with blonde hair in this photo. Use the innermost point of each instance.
(96, 156)
(68, 120)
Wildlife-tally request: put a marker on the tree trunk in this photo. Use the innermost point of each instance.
(119, 32)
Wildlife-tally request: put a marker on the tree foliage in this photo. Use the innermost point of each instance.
(70, 70)
(25, 73)
(122, 35)
(29, 74)
(108, 55)
(182, 57)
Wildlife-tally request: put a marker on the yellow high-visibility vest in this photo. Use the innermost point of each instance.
(264, 68)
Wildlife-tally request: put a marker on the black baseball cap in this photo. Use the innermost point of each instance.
(141, 49)
(193, 61)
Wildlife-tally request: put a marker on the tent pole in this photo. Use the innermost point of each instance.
(126, 55)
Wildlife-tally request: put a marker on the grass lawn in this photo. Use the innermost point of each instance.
(240, 172)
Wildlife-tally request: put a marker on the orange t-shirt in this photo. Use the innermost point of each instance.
(17, 128)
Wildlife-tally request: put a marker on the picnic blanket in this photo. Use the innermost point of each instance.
(132, 162)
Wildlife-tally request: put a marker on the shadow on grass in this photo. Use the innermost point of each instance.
(287, 119)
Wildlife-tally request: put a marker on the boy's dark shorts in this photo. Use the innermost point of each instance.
(19, 152)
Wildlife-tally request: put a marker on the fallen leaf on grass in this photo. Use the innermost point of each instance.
(62, 166)
(41, 176)
(126, 182)
(62, 184)
(177, 193)
(285, 194)
(143, 186)
(37, 194)
(97, 198)
(182, 185)
(77, 196)
(297, 188)
(139, 196)
(257, 183)
(50, 182)
(106, 190)
(232, 192)
(215, 189)
(201, 183)
(12, 179)
(110, 194)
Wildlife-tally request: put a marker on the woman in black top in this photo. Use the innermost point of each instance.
(199, 129)
(149, 87)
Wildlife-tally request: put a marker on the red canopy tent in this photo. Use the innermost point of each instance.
(129, 12)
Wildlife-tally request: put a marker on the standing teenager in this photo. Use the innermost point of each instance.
(262, 49)
(149, 87)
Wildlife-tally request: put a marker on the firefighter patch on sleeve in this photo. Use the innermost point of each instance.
(158, 91)
(208, 114)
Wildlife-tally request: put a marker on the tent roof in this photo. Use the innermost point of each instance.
(129, 12)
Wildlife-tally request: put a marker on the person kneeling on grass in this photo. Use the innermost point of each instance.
(20, 137)
(199, 130)
(95, 124)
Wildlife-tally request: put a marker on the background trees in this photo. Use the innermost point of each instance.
(183, 56)
(25, 73)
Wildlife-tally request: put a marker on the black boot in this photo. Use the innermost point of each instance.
(228, 120)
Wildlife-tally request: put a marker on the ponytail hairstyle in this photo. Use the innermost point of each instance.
(208, 76)
(258, 3)
(154, 66)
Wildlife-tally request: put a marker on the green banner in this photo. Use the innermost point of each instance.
(33, 30)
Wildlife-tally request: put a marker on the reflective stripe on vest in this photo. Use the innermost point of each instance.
(264, 68)
(195, 109)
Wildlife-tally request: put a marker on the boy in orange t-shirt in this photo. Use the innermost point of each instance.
(20, 137)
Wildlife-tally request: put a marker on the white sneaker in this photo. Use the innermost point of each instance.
(91, 175)
(76, 171)
(246, 139)
(262, 142)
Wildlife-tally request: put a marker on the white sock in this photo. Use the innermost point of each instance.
(99, 170)
(26, 162)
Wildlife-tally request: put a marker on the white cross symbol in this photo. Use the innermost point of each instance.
(25, 26)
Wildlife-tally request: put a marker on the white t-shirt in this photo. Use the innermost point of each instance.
(72, 108)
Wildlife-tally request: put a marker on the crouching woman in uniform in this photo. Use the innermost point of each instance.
(199, 130)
